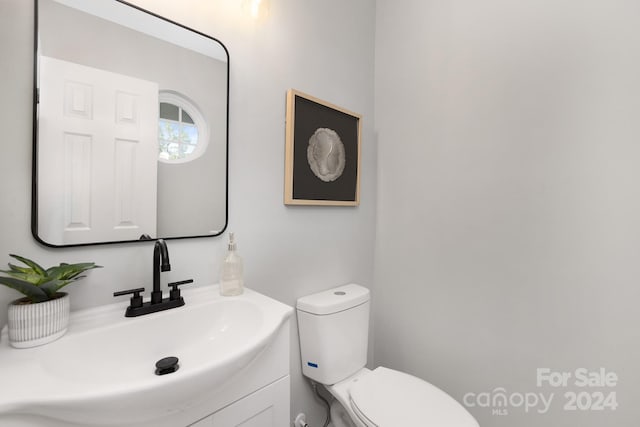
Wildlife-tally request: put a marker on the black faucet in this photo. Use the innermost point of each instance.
(160, 253)
(157, 303)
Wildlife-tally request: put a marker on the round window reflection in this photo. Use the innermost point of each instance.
(181, 129)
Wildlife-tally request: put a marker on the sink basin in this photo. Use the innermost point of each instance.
(104, 366)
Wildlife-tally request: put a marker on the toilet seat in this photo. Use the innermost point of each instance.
(388, 398)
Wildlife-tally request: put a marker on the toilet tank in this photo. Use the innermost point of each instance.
(334, 332)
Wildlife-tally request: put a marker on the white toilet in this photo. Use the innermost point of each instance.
(334, 328)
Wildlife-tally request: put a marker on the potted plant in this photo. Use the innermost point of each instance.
(42, 315)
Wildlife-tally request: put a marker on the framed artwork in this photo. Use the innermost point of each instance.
(322, 155)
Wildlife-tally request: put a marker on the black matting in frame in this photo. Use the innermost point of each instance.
(310, 116)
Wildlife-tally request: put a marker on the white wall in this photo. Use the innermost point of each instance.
(322, 48)
(509, 197)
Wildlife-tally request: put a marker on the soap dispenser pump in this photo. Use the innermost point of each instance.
(231, 281)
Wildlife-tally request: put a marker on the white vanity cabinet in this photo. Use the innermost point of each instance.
(233, 369)
(267, 407)
(259, 396)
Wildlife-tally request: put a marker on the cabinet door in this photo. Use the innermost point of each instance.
(267, 407)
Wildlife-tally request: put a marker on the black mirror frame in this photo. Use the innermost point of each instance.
(34, 166)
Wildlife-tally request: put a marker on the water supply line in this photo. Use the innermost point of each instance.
(301, 420)
(314, 386)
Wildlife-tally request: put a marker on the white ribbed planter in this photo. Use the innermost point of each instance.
(31, 325)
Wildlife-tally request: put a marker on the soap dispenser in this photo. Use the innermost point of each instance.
(231, 281)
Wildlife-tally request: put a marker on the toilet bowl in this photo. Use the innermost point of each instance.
(385, 397)
(333, 327)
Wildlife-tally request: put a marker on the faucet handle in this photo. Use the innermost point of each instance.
(136, 299)
(174, 294)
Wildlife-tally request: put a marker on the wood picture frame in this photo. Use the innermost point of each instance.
(322, 153)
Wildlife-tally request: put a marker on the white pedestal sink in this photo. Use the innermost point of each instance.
(102, 372)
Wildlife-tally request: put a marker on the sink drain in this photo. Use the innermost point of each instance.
(167, 365)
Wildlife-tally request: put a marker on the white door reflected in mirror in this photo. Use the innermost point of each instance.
(97, 146)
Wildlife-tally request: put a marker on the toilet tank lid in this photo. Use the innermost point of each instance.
(334, 300)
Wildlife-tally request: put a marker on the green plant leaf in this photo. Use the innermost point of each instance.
(17, 268)
(52, 286)
(31, 291)
(70, 271)
(30, 276)
(34, 265)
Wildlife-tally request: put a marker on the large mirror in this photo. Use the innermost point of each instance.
(131, 123)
